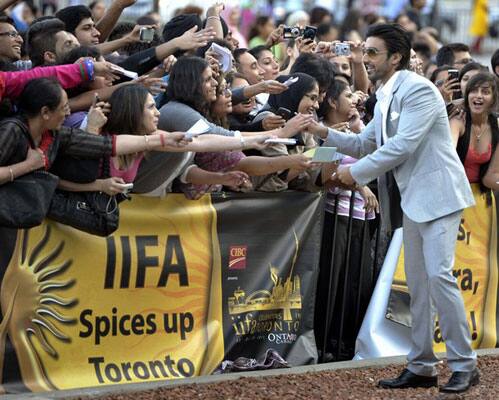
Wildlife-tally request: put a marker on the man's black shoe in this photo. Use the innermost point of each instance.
(409, 380)
(461, 381)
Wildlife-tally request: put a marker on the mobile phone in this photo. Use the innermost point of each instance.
(146, 34)
(453, 74)
(342, 49)
(127, 187)
(284, 113)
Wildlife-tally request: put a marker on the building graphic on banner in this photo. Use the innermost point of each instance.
(284, 296)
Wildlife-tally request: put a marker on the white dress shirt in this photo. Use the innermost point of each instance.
(384, 97)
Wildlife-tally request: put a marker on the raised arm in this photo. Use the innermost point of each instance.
(107, 23)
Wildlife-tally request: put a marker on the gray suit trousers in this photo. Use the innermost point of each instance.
(429, 257)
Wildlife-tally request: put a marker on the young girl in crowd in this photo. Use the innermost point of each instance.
(339, 111)
(302, 97)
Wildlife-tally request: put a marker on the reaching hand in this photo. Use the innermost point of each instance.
(344, 175)
(35, 159)
(296, 124)
(168, 63)
(371, 202)
(215, 10)
(154, 85)
(300, 162)
(306, 46)
(234, 178)
(192, 40)
(111, 186)
(447, 88)
(105, 69)
(275, 37)
(174, 139)
(271, 87)
(96, 117)
(273, 122)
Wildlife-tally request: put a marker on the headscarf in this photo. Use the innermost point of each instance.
(291, 98)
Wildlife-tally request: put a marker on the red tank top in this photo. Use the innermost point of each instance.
(473, 162)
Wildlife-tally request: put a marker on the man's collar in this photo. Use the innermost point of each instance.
(386, 89)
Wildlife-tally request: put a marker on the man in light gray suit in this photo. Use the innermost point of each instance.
(409, 140)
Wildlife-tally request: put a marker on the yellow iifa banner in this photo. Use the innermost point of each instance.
(81, 310)
(476, 271)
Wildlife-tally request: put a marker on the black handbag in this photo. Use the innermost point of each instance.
(25, 201)
(96, 213)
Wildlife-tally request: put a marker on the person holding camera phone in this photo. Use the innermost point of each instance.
(410, 137)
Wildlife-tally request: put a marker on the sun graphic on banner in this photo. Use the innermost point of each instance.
(31, 306)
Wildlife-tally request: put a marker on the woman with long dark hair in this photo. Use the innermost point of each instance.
(475, 132)
(191, 90)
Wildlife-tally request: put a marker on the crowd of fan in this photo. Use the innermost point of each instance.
(93, 91)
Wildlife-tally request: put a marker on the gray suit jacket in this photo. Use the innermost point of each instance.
(419, 151)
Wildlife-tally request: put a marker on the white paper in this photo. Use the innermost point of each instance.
(198, 128)
(224, 57)
(281, 141)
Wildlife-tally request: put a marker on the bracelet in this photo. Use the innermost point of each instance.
(11, 174)
(162, 139)
(213, 17)
(243, 143)
(146, 138)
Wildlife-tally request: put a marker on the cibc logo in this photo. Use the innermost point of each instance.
(237, 257)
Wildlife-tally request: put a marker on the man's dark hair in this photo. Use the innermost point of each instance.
(445, 54)
(238, 53)
(494, 61)
(422, 48)
(41, 38)
(315, 66)
(80, 52)
(186, 83)
(73, 15)
(396, 40)
(4, 19)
